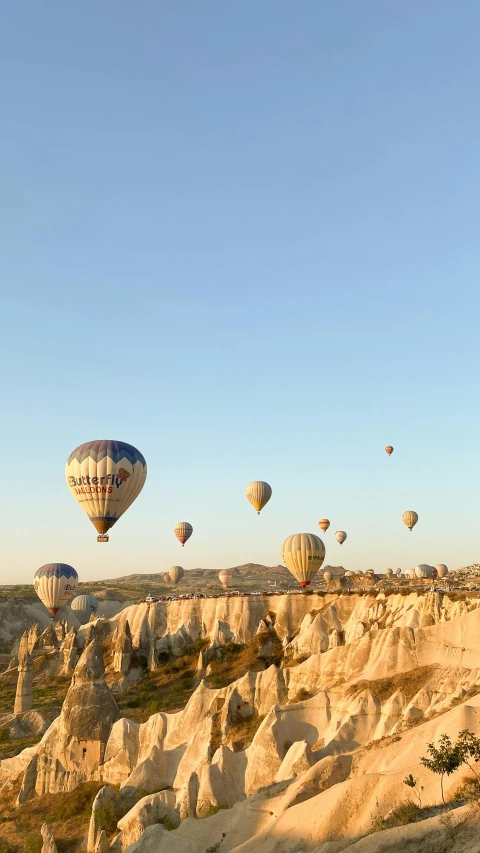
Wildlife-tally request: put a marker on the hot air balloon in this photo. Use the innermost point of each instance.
(183, 530)
(423, 571)
(105, 477)
(410, 518)
(442, 570)
(303, 555)
(388, 573)
(324, 524)
(389, 449)
(349, 573)
(225, 577)
(398, 573)
(340, 536)
(83, 606)
(327, 576)
(55, 584)
(176, 574)
(259, 494)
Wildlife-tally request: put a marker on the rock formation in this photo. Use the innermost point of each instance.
(69, 652)
(122, 647)
(48, 641)
(73, 748)
(33, 636)
(49, 845)
(23, 697)
(152, 656)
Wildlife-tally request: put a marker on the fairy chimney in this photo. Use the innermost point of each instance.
(23, 696)
(69, 652)
(122, 648)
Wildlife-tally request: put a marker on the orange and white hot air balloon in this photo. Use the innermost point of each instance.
(183, 530)
(410, 518)
(340, 536)
(324, 524)
(258, 493)
(389, 449)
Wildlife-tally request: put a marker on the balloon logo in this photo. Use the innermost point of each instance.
(259, 494)
(183, 530)
(55, 584)
(105, 477)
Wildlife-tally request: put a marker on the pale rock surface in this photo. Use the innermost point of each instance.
(24, 694)
(49, 845)
(150, 810)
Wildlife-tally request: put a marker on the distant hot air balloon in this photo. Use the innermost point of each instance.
(324, 524)
(225, 577)
(388, 573)
(258, 493)
(423, 571)
(442, 570)
(327, 576)
(176, 574)
(83, 606)
(410, 518)
(398, 573)
(349, 573)
(55, 584)
(105, 477)
(183, 530)
(303, 555)
(389, 449)
(340, 536)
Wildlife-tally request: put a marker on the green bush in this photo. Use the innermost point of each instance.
(4, 736)
(406, 812)
(106, 817)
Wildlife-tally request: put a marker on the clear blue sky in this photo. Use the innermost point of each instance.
(243, 237)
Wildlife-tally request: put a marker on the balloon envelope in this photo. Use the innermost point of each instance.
(389, 449)
(327, 576)
(442, 570)
(410, 518)
(176, 574)
(324, 524)
(183, 530)
(225, 577)
(340, 536)
(388, 573)
(258, 493)
(105, 477)
(303, 555)
(423, 571)
(55, 584)
(83, 606)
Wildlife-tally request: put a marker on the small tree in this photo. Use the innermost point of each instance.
(413, 784)
(444, 759)
(468, 745)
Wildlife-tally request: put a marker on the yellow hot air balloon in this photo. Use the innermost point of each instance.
(340, 536)
(410, 518)
(389, 449)
(324, 524)
(259, 494)
(105, 477)
(55, 584)
(183, 530)
(303, 555)
(176, 574)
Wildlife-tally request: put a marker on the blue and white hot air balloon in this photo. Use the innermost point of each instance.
(55, 584)
(105, 477)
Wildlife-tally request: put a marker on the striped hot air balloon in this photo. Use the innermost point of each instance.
(258, 493)
(84, 606)
(105, 477)
(410, 518)
(55, 584)
(176, 574)
(389, 449)
(183, 530)
(324, 524)
(303, 555)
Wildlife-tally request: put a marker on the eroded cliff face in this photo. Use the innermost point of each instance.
(358, 671)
